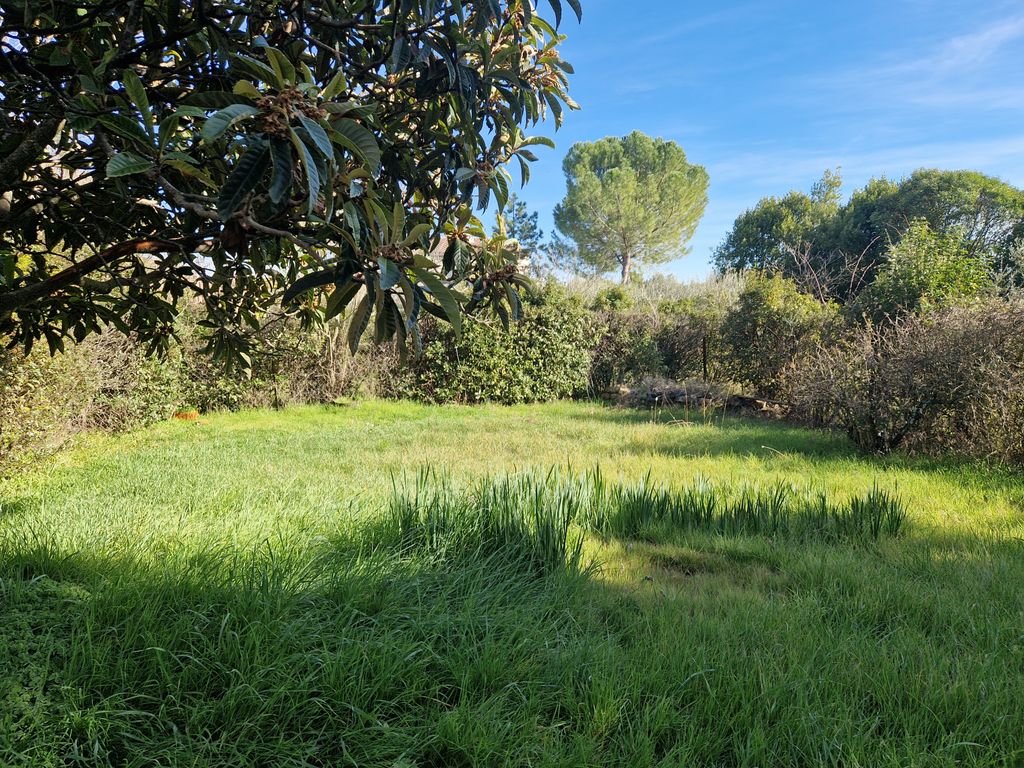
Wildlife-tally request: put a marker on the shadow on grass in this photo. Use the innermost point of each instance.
(689, 435)
(14, 507)
(345, 653)
(354, 651)
(741, 439)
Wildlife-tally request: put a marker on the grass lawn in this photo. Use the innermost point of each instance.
(221, 593)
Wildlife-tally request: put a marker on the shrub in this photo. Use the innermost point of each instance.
(690, 330)
(657, 293)
(771, 324)
(40, 404)
(542, 357)
(291, 365)
(655, 327)
(106, 382)
(130, 389)
(925, 271)
(626, 350)
(687, 340)
(949, 382)
(615, 297)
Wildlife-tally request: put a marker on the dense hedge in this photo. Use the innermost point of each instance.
(947, 381)
(771, 324)
(544, 356)
(104, 383)
(626, 350)
(108, 383)
(660, 335)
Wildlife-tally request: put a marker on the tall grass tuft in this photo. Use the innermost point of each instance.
(538, 519)
(526, 518)
(878, 513)
(641, 509)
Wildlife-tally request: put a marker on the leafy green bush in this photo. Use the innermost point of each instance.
(656, 327)
(687, 337)
(771, 324)
(290, 365)
(626, 350)
(131, 389)
(926, 271)
(690, 328)
(615, 297)
(542, 357)
(106, 382)
(40, 401)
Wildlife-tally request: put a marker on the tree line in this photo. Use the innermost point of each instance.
(891, 248)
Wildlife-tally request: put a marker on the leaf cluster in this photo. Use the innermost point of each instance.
(326, 153)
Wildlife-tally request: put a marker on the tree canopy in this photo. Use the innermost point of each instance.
(777, 234)
(248, 153)
(630, 200)
(988, 213)
(835, 251)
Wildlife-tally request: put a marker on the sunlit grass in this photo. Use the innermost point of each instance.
(235, 592)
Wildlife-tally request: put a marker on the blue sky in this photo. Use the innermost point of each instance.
(767, 95)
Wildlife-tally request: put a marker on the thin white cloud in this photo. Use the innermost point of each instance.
(673, 32)
(978, 48)
(777, 167)
(959, 55)
(1002, 98)
(977, 69)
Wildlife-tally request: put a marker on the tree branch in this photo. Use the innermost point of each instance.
(15, 164)
(22, 297)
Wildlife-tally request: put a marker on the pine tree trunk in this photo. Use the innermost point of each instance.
(627, 265)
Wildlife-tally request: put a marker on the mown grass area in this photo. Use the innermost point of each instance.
(235, 592)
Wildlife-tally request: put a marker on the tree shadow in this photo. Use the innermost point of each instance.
(744, 430)
(740, 440)
(344, 651)
(689, 435)
(354, 650)
(692, 432)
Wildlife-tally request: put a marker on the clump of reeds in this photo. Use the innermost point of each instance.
(539, 519)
